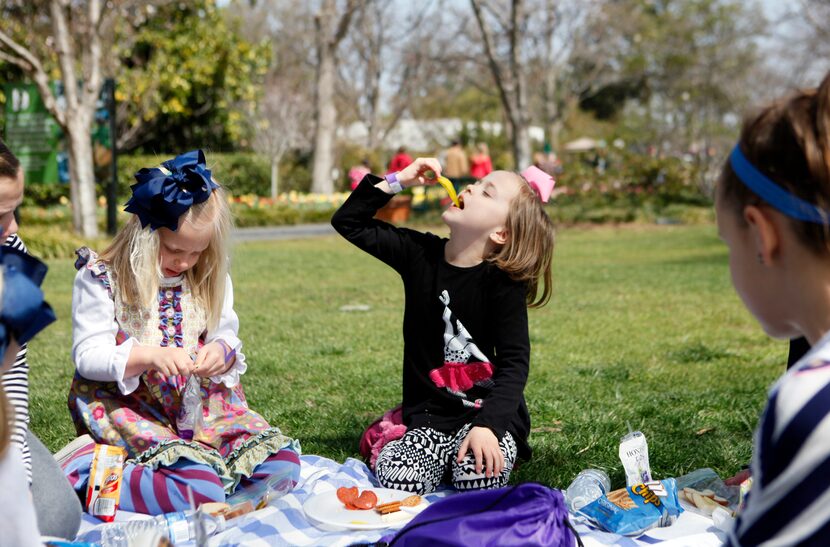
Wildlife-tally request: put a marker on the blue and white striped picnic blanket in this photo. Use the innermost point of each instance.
(284, 523)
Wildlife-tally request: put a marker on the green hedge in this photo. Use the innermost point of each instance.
(240, 172)
(47, 242)
(280, 215)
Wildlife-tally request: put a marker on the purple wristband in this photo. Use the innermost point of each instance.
(229, 352)
(394, 184)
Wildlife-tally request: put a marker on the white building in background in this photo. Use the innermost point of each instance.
(425, 135)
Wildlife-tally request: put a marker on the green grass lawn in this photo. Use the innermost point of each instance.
(644, 328)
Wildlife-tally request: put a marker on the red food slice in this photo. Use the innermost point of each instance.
(366, 500)
(347, 495)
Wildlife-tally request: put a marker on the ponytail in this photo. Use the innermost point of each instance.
(788, 140)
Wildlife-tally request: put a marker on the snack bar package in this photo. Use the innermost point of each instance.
(632, 510)
(104, 490)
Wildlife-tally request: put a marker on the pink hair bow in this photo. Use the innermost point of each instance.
(541, 182)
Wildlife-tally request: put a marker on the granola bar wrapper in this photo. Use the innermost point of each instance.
(632, 510)
(104, 491)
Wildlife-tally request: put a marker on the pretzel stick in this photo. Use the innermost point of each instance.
(390, 507)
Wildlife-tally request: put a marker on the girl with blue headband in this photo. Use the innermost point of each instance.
(773, 209)
(153, 329)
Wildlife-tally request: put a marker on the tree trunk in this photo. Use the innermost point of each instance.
(275, 176)
(521, 145)
(509, 77)
(326, 124)
(81, 78)
(82, 177)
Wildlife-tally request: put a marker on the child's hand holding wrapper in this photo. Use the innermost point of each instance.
(190, 421)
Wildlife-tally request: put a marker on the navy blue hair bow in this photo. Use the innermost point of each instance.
(24, 312)
(160, 198)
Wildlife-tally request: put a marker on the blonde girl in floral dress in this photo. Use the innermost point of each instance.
(150, 312)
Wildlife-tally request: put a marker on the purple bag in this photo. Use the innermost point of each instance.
(526, 514)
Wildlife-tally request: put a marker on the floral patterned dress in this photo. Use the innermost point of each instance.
(233, 439)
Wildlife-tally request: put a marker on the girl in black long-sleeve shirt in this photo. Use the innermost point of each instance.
(466, 346)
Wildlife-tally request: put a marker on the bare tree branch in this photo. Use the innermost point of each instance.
(345, 20)
(92, 57)
(502, 82)
(32, 66)
(65, 51)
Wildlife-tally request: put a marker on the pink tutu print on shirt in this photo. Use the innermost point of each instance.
(460, 377)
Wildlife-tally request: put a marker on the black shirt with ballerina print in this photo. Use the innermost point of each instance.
(466, 345)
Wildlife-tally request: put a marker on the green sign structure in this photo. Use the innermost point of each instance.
(32, 133)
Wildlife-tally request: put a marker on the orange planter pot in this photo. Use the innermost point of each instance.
(396, 211)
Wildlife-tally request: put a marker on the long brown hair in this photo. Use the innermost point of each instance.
(9, 164)
(5, 410)
(789, 141)
(528, 252)
(6, 417)
(9, 167)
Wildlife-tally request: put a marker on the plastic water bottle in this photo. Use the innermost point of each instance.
(177, 527)
(589, 485)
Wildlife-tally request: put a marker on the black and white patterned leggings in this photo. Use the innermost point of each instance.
(419, 460)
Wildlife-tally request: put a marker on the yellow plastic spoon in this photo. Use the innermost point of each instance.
(447, 184)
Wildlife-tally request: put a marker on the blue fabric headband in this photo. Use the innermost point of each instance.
(24, 312)
(772, 193)
(160, 197)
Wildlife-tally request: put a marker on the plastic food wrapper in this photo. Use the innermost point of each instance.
(104, 490)
(189, 421)
(632, 510)
(259, 494)
(702, 491)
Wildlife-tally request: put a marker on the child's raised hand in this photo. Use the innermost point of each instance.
(171, 361)
(211, 360)
(420, 172)
(484, 445)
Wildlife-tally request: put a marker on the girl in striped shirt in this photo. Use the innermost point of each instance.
(57, 506)
(773, 208)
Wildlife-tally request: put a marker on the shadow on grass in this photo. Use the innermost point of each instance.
(345, 445)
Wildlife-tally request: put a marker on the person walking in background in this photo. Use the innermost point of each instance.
(480, 163)
(357, 172)
(400, 160)
(457, 164)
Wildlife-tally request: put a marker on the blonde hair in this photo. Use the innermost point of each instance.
(789, 141)
(5, 414)
(483, 149)
(133, 259)
(528, 252)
